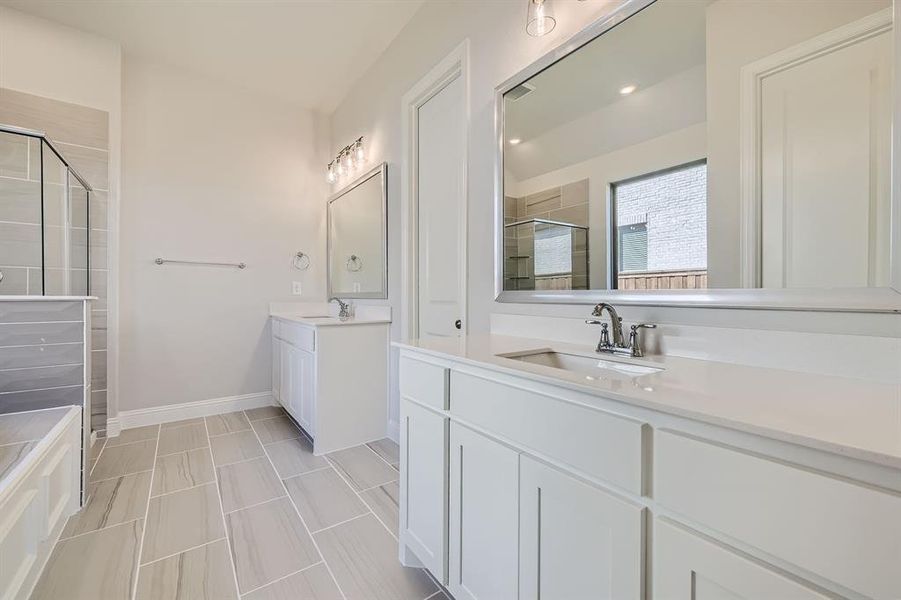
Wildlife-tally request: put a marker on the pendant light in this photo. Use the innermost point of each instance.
(540, 20)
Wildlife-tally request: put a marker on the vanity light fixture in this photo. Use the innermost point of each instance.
(514, 141)
(349, 158)
(540, 18)
(628, 89)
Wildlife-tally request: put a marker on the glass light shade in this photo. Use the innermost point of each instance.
(331, 173)
(358, 151)
(339, 165)
(540, 20)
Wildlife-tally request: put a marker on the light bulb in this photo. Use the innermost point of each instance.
(628, 89)
(514, 141)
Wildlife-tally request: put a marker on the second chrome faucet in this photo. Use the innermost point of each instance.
(617, 345)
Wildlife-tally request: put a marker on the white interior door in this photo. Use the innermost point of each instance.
(441, 198)
(826, 158)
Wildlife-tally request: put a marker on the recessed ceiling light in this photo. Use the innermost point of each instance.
(627, 89)
(514, 141)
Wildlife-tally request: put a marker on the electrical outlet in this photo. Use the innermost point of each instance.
(296, 288)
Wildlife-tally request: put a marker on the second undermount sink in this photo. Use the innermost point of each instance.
(590, 366)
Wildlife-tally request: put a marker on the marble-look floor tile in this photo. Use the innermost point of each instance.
(264, 412)
(362, 468)
(182, 470)
(269, 541)
(112, 501)
(182, 423)
(13, 454)
(314, 583)
(182, 520)
(181, 439)
(323, 499)
(363, 557)
(101, 564)
(276, 429)
(234, 447)
(96, 449)
(227, 423)
(384, 501)
(136, 434)
(124, 460)
(387, 449)
(203, 573)
(246, 483)
(293, 457)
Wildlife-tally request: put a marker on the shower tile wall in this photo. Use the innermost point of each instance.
(82, 135)
(41, 354)
(567, 204)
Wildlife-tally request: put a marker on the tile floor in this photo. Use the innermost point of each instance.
(234, 506)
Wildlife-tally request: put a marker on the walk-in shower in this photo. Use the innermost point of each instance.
(45, 213)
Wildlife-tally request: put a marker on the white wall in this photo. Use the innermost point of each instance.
(499, 48)
(211, 172)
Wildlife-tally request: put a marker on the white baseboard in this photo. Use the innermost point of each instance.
(189, 410)
(394, 431)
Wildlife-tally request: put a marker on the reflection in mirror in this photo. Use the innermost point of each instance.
(706, 144)
(357, 246)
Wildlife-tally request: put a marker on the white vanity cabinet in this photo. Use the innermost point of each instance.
(550, 492)
(332, 378)
(423, 520)
(576, 540)
(484, 502)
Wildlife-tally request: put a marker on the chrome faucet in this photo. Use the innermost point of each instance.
(618, 345)
(344, 308)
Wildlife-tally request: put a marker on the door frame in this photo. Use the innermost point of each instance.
(455, 65)
(751, 86)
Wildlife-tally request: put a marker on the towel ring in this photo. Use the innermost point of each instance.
(354, 263)
(301, 261)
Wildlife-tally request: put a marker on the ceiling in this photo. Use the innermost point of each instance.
(306, 52)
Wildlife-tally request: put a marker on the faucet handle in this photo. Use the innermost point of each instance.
(635, 341)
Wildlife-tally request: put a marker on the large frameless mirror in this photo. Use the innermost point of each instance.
(701, 149)
(357, 238)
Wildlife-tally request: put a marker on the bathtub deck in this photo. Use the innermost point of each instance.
(20, 433)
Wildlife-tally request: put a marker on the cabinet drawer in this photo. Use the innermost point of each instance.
(423, 382)
(302, 337)
(597, 443)
(846, 533)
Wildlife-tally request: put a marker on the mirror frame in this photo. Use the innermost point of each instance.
(380, 170)
(870, 299)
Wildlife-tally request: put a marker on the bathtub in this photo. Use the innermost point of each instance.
(41, 464)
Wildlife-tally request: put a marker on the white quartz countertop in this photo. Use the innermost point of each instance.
(327, 321)
(851, 417)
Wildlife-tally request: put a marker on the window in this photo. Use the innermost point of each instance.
(633, 247)
(660, 229)
(553, 250)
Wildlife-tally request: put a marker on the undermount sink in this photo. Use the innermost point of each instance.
(590, 366)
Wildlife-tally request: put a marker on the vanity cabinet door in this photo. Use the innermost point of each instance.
(689, 567)
(285, 385)
(423, 493)
(576, 540)
(484, 517)
(276, 369)
(304, 393)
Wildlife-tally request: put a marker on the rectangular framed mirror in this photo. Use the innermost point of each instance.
(705, 153)
(358, 238)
